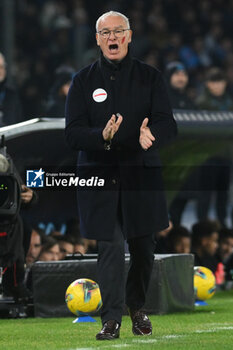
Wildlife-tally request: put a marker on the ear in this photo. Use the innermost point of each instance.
(97, 39)
(130, 32)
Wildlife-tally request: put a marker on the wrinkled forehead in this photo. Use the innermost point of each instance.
(112, 22)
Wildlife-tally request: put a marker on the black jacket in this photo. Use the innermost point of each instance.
(135, 90)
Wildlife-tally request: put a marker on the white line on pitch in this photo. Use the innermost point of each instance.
(211, 330)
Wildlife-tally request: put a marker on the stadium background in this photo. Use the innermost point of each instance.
(39, 36)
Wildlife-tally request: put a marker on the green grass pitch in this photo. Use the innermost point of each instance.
(208, 327)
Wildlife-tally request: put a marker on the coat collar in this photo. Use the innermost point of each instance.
(106, 64)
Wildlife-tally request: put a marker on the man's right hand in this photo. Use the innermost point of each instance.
(112, 127)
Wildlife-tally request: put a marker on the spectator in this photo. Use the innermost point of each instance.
(214, 182)
(50, 250)
(229, 271)
(215, 96)
(216, 170)
(224, 255)
(66, 246)
(225, 248)
(177, 78)
(36, 240)
(10, 106)
(59, 91)
(205, 243)
(179, 240)
(80, 246)
(208, 181)
(34, 247)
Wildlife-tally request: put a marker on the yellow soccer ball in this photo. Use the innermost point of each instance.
(204, 283)
(83, 297)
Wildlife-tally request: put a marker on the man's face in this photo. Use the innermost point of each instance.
(179, 80)
(210, 244)
(34, 248)
(115, 49)
(226, 248)
(217, 88)
(52, 254)
(65, 248)
(183, 245)
(2, 69)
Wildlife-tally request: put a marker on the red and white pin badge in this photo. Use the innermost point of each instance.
(99, 95)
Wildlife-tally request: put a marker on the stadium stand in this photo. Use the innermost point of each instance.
(51, 34)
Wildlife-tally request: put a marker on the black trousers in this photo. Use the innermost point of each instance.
(111, 273)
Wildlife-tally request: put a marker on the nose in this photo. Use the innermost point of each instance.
(112, 35)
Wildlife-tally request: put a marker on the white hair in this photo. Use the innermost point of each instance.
(112, 13)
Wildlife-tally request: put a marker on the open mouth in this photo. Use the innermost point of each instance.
(113, 47)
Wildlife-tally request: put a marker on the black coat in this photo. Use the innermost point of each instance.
(132, 175)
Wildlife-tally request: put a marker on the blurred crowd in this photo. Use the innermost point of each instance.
(211, 244)
(54, 38)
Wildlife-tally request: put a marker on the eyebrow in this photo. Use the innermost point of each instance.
(118, 27)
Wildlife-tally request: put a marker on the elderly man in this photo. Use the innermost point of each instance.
(117, 115)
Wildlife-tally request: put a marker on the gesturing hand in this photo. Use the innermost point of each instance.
(111, 127)
(146, 138)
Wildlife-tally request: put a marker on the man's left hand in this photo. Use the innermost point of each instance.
(146, 138)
